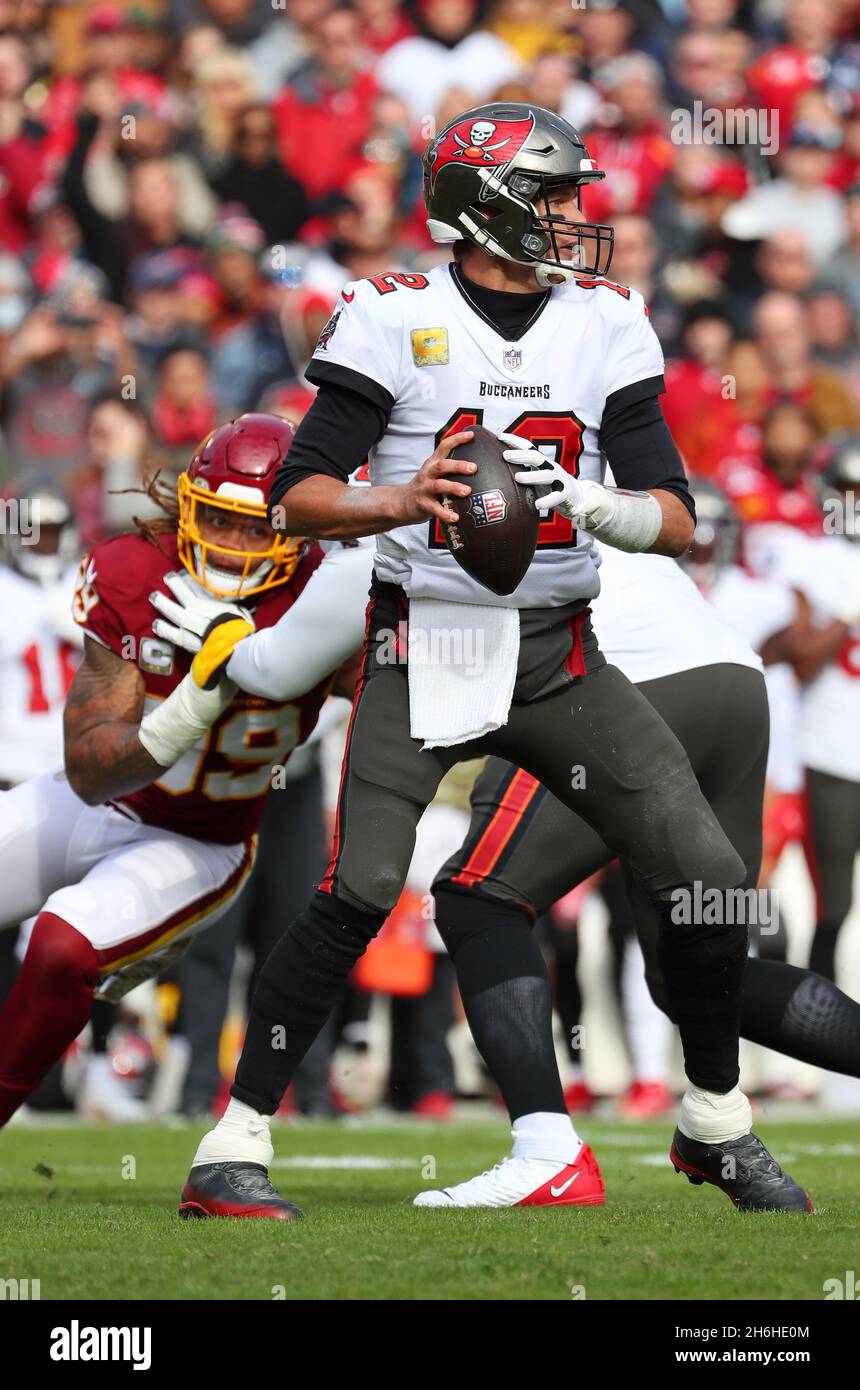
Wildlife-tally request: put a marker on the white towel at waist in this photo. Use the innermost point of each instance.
(462, 668)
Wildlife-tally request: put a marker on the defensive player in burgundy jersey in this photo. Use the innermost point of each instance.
(524, 335)
(147, 835)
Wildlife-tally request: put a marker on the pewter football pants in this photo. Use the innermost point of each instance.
(601, 748)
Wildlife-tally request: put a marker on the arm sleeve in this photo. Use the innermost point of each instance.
(638, 446)
(334, 437)
(324, 626)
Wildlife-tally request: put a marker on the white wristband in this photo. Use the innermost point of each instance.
(182, 719)
(633, 523)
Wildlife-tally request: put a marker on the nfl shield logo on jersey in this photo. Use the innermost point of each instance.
(513, 359)
(488, 507)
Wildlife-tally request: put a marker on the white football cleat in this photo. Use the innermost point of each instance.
(526, 1182)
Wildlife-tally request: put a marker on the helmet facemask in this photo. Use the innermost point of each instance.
(247, 572)
(575, 250)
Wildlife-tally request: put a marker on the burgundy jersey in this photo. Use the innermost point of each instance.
(217, 791)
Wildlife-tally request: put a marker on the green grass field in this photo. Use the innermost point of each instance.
(91, 1213)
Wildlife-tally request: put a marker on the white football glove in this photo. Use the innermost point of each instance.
(579, 499)
(630, 521)
(191, 614)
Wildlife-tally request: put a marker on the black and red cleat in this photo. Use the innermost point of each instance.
(743, 1169)
(234, 1189)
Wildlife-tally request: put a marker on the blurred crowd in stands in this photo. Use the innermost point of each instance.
(186, 186)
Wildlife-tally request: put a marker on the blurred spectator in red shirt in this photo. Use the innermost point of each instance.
(324, 114)
(634, 150)
(779, 486)
(699, 404)
(108, 55)
(783, 72)
(24, 151)
(183, 409)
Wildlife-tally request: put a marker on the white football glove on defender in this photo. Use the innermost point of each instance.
(192, 613)
(630, 521)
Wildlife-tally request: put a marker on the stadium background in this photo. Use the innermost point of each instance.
(184, 189)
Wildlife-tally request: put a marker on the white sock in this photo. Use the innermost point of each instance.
(545, 1135)
(240, 1136)
(713, 1118)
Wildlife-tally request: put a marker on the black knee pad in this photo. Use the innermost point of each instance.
(463, 914)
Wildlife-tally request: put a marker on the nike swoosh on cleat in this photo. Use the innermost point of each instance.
(559, 1191)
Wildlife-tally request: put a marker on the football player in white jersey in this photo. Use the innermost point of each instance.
(40, 646)
(523, 334)
(773, 618)
(830, 714)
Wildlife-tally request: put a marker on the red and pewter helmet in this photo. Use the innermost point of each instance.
(232, 471)
(486, 180)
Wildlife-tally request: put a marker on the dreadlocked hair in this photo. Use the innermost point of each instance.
(163, 495)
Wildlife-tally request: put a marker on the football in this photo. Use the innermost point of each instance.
(495, 535)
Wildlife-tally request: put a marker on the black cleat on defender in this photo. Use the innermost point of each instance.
(743, 1169)
(234, 1189)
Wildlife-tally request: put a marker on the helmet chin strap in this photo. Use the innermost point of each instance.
(549, 275)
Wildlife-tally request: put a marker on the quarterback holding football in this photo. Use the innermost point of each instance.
(522, 335)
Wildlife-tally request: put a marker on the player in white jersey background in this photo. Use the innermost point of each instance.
(565, 372)
(40, 646)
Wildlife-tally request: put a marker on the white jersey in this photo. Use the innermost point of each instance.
(651, 620)
(830, 704)
(417, 341)
(759, 608)
(37, 664)
(755, 606)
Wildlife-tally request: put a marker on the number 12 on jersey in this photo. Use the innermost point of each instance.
(549, 429)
